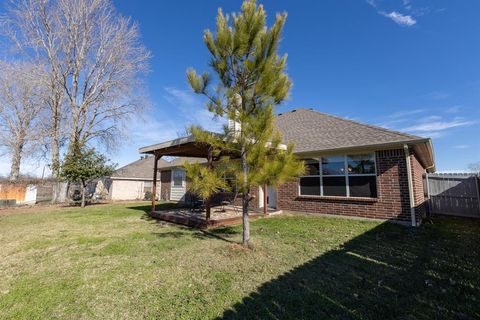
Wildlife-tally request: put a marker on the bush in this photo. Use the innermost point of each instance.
(147, 196)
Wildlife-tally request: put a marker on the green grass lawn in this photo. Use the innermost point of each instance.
(112, 262)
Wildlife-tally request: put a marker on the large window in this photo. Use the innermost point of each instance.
(344, 176)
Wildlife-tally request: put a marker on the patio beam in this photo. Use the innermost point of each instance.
(265, 199)
(208, 206)
(154, 183)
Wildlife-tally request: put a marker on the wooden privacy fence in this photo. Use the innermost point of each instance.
(25, 192)
(453, 194)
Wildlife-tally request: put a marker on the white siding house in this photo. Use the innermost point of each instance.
(132, 181)
(178, 185)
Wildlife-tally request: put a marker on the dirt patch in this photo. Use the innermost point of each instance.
(39, 208)
(28, 209)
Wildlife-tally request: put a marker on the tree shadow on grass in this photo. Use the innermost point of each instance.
(221, 233)
(218, 234)
(389, 272)
(146, 209)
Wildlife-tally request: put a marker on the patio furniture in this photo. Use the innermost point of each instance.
(198, 204)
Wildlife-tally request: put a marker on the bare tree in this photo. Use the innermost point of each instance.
(95, 60)
(21, 105)
(31, 26)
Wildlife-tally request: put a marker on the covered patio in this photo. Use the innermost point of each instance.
(210, 213)
(219, 216)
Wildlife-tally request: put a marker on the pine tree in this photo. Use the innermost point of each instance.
(251, 81)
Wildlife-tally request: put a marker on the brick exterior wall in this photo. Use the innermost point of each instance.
(165, 180)
(392, 188)
(391, 203)
(418, 188)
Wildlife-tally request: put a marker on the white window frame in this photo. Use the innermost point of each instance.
(145, 185)
(173, 178)
(345, 175)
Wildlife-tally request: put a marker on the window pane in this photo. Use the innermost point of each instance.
(333, 165)
(310, 186)
(334, 186)
(363, 186)
(361, 163)
(147, 186)
(312, 167)
(177, 178)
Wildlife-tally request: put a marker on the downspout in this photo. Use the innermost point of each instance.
(411, 195)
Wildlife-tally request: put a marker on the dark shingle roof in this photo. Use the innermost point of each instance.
(312, 131)
(140, 169)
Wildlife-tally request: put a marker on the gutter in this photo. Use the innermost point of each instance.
(411, 195)
(132, 178)
(372, 147)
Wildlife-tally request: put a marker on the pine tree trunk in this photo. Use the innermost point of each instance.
(246, 222)
(208, 209)
(83, 194)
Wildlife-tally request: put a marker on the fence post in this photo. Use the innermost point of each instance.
(477, 180)
(429, 201)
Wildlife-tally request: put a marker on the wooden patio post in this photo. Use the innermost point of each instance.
(210, 167)
(154, 184)
(265, 190)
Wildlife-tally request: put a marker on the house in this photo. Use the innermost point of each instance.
(132, 181)
(173, 179)
(353, 169)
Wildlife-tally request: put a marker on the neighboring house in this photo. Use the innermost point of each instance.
(132, 181)
(174, 179)
(353, 169)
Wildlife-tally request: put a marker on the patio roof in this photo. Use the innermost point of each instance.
(180, 147)
(185, 147)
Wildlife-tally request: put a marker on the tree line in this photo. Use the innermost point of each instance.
(70, 79)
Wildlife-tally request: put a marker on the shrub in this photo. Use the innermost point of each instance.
(147, 196)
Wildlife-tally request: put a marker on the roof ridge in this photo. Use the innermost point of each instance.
(410, 136)
(135, 162)
(131, 163)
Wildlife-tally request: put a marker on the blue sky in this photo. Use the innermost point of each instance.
(408, 65)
